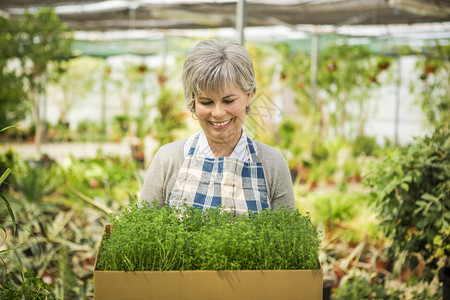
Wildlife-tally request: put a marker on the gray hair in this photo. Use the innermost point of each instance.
(212, 65)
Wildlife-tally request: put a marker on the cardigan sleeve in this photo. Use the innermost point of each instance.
(162, 173)
(278, 176)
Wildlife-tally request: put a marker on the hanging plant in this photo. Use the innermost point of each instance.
(331, 66)
(108, 71)
(162, 79)
(432, 60)
(373, 78)
(142, 68)
(432, 92)
(383, 65)
(430, 69)
(384, 62)
(301, 82)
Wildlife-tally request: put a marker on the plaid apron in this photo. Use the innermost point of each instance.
(205, 182)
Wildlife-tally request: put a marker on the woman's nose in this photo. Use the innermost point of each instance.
(218, 111)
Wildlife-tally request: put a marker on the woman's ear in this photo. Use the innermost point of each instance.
(249, 97)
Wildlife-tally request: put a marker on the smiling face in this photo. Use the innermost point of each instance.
(221, 116)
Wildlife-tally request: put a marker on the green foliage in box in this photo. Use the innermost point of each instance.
(169, 238)
(412, 191)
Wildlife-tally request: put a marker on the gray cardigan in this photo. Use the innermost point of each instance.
(167, 162)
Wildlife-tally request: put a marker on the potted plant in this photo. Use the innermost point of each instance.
(181, 245)
(122, 123)
(331, 65)
(411, 190)
(431, 66)
(384, 63)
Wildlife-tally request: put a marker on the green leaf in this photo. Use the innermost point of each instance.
(8, 127)
(421, 203)
(4, 175)
(422, 223)
(417, 210)
(428, 197)
(447, 215)
(438, 205)
(445, 225)
(405, 186)
(11, 249)
(407, 178)
(9, 210)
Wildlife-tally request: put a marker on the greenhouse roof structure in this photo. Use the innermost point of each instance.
(141, 27)
(90, 15)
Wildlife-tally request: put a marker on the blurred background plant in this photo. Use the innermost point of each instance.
(432, 89)
(34, 67)
(412, 195)
(170, 117)
(60, 211)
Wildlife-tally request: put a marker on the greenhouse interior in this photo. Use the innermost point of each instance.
(354, 95)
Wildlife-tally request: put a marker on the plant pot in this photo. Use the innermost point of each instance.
(430, 69)
(444, 277)
(383, 65)
(327, 286)
(331, 67)
(373, 79)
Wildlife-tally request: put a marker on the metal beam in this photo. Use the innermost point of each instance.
(240, 20)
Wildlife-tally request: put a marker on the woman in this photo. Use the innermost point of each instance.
(219, 165)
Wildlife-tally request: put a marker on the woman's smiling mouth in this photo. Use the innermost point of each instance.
(220, 124)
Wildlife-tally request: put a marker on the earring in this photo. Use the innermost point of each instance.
(194, 116)
(248, 109)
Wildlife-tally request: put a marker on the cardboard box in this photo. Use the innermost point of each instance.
(245, 284)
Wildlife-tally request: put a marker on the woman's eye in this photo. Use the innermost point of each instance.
(228, 101)
(206, 103)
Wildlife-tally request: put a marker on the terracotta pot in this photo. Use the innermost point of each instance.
(383, 65)
(373, 79)
(430, 69)
(332, 67)
(142, 68)
(313, 185)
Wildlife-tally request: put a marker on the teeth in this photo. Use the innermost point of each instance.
(221, 124)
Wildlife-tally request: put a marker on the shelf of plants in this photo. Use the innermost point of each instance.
(187, 253)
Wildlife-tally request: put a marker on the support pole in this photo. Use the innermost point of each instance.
(314, 62)
(397, 100)
(105, 75)
(240, 20)
(165, 43)
(314, 107)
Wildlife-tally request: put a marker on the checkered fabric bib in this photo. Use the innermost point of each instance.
(209, 182)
